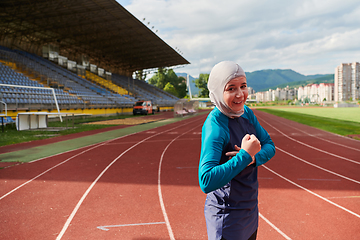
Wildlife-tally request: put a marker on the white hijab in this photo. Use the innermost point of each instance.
(220, 75)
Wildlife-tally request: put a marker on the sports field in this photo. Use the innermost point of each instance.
(342, 121)
(348, 114)
(140, 183)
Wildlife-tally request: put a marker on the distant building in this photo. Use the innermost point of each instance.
(251, 90)
(326, 92)
(279, 94)
(312, 93)
(260, 97)
(317, 93)
(347, 82)
(251, 94)
(304, 92)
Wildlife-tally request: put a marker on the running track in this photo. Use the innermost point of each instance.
(144, 186)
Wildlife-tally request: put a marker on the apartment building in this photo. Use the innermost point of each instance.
(326, 92)
(304, 93)
(314, 93)
(317, 93)
(347, 82)
(263, 96)
(278, 94)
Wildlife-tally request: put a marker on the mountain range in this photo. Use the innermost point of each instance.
(264, 80)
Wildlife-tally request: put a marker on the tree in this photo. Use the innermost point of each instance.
(165, 76)
(179, 83)
(141, 75)
(181, 87)
(153, 80)
(170, 89)
(158, 79)
(161, 78)
(201, 83)
(171, 77)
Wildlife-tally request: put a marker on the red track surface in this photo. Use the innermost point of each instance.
(144, 186)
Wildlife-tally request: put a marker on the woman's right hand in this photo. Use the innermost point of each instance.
(251, 144)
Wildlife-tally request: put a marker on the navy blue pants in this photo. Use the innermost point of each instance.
(253, 237)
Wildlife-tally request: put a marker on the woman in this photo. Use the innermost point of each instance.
(228, 173)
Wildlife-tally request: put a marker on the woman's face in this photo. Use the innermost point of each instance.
(236, 93)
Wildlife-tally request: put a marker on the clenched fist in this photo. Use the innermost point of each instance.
(251, 144)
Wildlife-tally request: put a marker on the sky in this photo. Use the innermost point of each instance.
(307, 36)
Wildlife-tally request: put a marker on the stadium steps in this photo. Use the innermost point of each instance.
(35, 78)
(105, 83)
(18, 69)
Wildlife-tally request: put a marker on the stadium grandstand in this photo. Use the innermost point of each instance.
(78, 57)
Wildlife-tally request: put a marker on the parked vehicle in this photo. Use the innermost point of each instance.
(143, 107)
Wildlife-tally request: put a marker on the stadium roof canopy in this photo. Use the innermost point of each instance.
(103, 30)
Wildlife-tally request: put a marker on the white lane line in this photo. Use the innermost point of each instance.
(94, 144)
(106, 228)
(334, 173)
(326, 140)
(68, 221)
(76, 155)
(162, 205)
(274, 227)
(315, 194)
(307, 145)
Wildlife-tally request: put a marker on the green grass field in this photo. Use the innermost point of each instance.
(12, 136)
(347, 114)
(343, 121)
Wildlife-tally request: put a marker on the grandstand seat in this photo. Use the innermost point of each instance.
(80, 86)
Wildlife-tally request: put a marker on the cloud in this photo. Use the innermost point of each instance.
(309, 36)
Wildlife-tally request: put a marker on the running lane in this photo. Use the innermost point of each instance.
(125, 202)
(76, 194)
(144, 186)
(311, 188)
